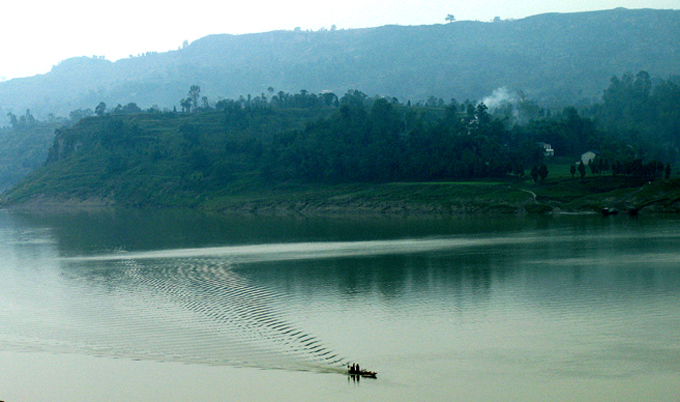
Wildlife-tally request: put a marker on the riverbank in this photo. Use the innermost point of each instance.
(452, 198)
(386, 199)
(558, 195)
(432, 198)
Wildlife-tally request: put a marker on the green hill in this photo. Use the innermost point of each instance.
(351, 155)
(155, 158)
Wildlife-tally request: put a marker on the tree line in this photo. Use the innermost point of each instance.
(325, 138)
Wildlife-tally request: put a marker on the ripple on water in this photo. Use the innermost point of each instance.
(192, 310)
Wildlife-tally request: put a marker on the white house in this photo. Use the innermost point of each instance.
(548, 150)
(588, 157)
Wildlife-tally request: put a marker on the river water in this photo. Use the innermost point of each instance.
(176, 306)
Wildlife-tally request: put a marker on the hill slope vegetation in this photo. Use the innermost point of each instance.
(307, 152)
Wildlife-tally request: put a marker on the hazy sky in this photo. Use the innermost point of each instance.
(37, 34)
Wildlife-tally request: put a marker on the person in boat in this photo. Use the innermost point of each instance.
(355, 370)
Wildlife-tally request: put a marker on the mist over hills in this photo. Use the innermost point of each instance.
(555, 59)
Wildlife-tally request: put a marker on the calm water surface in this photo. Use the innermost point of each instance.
(177, 306)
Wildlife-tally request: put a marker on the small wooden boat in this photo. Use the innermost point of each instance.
(362, 373)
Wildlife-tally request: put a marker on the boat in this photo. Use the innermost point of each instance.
(362, 373)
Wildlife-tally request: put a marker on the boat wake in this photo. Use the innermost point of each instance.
(193, 306)
(189, 310)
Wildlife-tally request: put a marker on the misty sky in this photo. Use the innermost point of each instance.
(37, 34)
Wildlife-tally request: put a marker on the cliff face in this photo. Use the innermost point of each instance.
(62, 147)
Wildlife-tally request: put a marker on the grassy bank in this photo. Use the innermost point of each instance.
(387, 198)
(440, 198)
(478, 197)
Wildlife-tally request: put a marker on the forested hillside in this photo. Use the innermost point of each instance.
(127, 156)
(555, 59)
(24, 144)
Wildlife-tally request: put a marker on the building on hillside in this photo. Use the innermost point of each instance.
(548, 150)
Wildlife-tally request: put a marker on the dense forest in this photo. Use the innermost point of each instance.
(148, 156)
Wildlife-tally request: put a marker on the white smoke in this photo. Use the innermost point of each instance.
(500, 98)
(511, 104)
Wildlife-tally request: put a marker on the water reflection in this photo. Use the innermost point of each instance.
(84, 232)
(304, 294)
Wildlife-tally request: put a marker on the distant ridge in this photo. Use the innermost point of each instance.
(556, 59)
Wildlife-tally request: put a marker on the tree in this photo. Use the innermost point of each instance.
(534, 173)
(194, 94)
(205, 102)
(582, 169)
(13, 120)
(451, 112)
(100, 110)
(185, 103)
(450, 18)
(329, 99)
(482, 113)
(594, 168)
(78, 114)
(130, 108)
(28, 119)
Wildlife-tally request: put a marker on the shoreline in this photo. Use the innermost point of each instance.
(395, 199)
